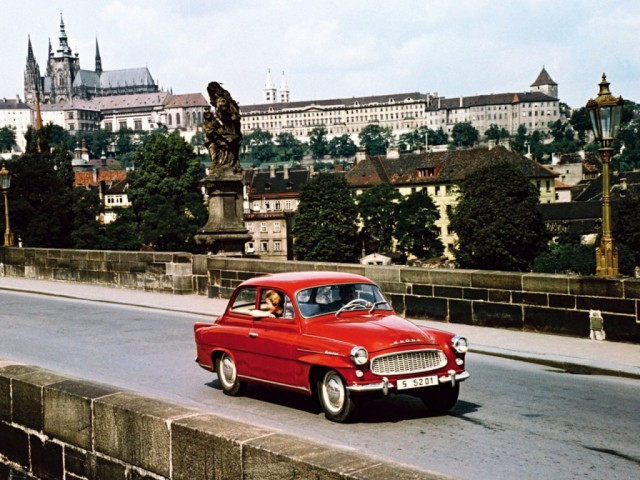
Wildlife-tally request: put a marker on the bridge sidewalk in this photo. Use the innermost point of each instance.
(577, 355)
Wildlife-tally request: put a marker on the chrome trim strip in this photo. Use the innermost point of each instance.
(334, 354)
(261, 380)
(372, 387)
(458, 377)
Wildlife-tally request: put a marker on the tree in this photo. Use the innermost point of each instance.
(290, 148)
(260, 144)
(375, 139)
(342, 147)
(377, 208)
(318, 143)
(124, 141)
(627, 228)
(567, 258)
(519, 143)
(165, 193)
(7, 139)
(464, 134)
(496, 133)
(497, 221)
(437, 137)
(416, 231)
(325, 224)
(97, 142)
(86, 207)
(41, 192)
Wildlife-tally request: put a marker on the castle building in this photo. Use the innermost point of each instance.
(403, 112)
(65, 81)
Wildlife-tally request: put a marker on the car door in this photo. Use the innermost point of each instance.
(273, 349)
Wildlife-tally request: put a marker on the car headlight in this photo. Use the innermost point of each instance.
(359, 355)
(460, 344)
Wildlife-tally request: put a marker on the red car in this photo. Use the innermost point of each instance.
(332, 335)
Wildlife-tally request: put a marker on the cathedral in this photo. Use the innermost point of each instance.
(65, 80)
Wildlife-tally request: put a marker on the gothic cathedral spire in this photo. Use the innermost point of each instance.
(32, 79)
(98, 59)
(269, 89)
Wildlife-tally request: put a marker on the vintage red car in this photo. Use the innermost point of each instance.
(332, 335)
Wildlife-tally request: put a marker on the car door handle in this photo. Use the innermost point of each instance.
(253, 334)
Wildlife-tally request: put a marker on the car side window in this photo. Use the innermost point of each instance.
(277, 304)
(245, 301)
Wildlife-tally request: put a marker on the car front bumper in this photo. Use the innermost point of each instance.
(385, 386)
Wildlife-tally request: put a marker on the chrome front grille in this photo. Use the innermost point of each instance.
(414, 361)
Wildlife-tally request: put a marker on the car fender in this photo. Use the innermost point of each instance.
(328, 359)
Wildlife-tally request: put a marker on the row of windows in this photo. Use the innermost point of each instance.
(264, 227)
(274, 205)
(265, 246)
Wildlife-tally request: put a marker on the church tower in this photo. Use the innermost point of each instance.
(269, 89)
(98, 60)
(284, 90)
(545, 84)
(63, 67)
(32, 78)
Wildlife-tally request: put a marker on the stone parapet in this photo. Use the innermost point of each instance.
(55, 427)
(523, 301)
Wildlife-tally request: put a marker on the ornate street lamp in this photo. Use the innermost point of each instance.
(605, 112)
(5, 183)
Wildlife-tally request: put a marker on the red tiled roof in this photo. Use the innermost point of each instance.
(87, 178)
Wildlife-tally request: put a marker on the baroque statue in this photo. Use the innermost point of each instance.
(222, 130)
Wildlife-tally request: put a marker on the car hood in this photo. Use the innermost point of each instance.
(373, 332)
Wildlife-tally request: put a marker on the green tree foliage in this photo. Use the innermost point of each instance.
(437, 137)
(41, 192)
(325, 224)
(290, 148)
(342, 147)
(260, 145)
(464, 135)
(97, 142)
(165, 193)
(567, 258)
(375, 139)
(416, 231)
(123, 233)
(629, 146)
(377, 208)
(86, 208)
(318, 143)
(519, 143)
(7, 139)
(496, 133)
(124, 141)
(627, 228)
(497, 221)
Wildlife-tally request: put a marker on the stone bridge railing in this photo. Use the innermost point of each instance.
(524, 301)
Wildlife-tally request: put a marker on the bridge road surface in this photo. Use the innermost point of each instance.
(514, 420)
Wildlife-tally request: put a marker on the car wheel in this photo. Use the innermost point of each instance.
(334, 397)
(228, 376)
(439, 400)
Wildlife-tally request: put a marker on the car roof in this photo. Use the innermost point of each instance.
(300, 280)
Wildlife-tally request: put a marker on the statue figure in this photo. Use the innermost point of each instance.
(222, 129)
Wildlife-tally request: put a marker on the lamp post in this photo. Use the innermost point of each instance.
(605, 112)
(5, 183)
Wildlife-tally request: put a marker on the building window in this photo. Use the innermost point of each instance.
(276, 227)
(72, 126)
(277, 246)
(123, 125)
(177, 119)
(169, 119)
(108, 126)
(288, 205)
(137, 124)
(256, 205)
(277, 205)
(249, 226)
(264, 246)
(70, 115)
(263, 227)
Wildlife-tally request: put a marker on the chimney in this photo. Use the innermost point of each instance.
(286, 172)
(491, 144)
(461, 102)
(506, 143)
(272, 171)
(361, 154)
(393, 153)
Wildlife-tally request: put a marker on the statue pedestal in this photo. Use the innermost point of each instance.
(225, 233)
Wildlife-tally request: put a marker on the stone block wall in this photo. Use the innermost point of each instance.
(547, 303)
(558, 304)
(58, 427)
(177, 273)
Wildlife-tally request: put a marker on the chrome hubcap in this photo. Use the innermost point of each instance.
(228, 371)
(334, 393)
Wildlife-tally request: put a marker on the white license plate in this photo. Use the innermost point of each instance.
(417, 382)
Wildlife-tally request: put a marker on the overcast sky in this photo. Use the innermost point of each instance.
(340, 48)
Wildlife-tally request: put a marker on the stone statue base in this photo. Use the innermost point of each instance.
(224, 233)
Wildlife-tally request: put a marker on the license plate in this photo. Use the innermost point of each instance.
(417, 382)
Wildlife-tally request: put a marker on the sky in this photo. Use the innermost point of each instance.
(339, 48)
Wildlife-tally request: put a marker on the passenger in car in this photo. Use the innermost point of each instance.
(274, 303)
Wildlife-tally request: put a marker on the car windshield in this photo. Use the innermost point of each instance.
(338, 298)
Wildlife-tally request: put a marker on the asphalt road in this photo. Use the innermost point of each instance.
(513, 419)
